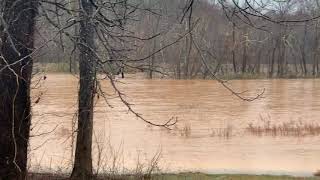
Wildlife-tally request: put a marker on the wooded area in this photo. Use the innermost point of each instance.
(281, 43)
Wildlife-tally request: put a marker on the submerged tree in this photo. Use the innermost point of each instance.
(17, 45)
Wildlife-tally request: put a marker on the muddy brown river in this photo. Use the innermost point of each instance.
(204, 109)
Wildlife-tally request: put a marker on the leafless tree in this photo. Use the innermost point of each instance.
(17, 44)
(87, 69)
(105, 43)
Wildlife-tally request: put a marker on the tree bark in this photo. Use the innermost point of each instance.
(303, 51)
(315, 50)
(154, 44)
(282, 52)
(188, 50)
(257, 66)
(83, 160)
(245, 55)
(15, 79)
(74, 5)
(272, 61)
(178, 65)
(233, 48)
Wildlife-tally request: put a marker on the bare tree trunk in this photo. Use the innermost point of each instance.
(162, 52)
(315, 49)
(280, 58)
(153, 57)
(151, 60)
(282, 52)
(15, 79)
(178, 65)
(233, 48)
(272, 62)
(72, 61)
(303, 51)
(317, 67)
(189, 40)
(258, 61)
(296, 66)
(205, 73)
(245, 55)
(83, 158)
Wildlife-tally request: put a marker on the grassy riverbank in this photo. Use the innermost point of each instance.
(199, 176)
(181, 176)
(226, 75)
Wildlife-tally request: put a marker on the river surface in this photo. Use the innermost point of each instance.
(204, 110)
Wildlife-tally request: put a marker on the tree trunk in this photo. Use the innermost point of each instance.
(303, 51)
(83, 160)
(315, 50)
(245, 55)
(15, 80)
(257, 66)
(233, 48)
(188, 47)
(153, 57)
(178, 65)
(151, 60)
(272, 61)
(282, 52)
(72, 61)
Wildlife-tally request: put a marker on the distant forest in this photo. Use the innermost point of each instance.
(282, 42)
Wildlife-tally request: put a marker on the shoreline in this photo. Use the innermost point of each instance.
(143, 76)
(174, 176)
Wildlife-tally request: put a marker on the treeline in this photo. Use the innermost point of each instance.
(231, 44)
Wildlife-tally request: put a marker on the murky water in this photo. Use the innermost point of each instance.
(205, 108)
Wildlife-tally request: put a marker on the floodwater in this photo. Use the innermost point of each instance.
(202, 107)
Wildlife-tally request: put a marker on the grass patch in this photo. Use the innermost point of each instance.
(51, 67)
(200, 176)
(180, 176)
(186, 130)
(64, 67)
(291, 128)
(226, 132)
